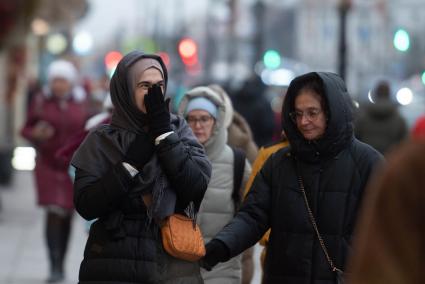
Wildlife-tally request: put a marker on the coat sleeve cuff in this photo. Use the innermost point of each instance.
(162, 137)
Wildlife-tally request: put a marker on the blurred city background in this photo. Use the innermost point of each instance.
(239, 44)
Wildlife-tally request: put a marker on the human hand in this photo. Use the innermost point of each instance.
(140, 151)
(157, 110)
(216, 251)
(43, 131)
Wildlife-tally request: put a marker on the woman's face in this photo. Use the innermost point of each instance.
(309, 115)
(148, 78)
(202, 124)
(60, 87)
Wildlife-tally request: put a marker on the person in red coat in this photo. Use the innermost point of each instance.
(418, 129)
(55, 114)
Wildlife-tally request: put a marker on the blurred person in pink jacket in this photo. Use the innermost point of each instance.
(54, 115)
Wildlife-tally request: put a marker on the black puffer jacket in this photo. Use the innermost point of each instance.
(334, 169)
(252, 104)
(123, 246)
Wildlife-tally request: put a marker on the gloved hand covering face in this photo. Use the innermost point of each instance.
(157, 110)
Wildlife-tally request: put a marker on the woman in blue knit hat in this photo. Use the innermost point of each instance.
(206, 113)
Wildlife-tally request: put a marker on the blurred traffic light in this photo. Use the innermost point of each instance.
(188, 51)
(111, 61)
(82, 43)
(165, 57)
(401, 40)
(271, 59)
(423, 77)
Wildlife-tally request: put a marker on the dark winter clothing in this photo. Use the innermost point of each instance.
(263, 154)
(57, 232)
(334, 169)
(253, 105)
(381, 126)
(240, 136)
(390, 235)
(124, 244)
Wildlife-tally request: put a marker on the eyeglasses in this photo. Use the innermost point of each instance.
(203, 120)
(310, 114)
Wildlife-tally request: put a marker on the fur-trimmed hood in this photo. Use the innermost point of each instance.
(225, 113)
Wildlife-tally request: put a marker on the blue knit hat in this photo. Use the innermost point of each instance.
(202, 103)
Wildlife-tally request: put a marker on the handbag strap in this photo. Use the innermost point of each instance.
(189, 212)
(316, 229)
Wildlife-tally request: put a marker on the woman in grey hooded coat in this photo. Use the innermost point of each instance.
(206, 112)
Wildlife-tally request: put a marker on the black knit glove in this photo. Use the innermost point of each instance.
(157, 111)
(216, 251)
(140, 151)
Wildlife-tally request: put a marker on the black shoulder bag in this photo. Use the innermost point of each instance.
(338, 272)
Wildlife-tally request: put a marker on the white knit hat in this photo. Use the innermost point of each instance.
(62, 69)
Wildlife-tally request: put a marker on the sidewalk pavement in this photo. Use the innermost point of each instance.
(23, 256)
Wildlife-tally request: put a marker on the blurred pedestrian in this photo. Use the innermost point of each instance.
(250, 101)
(206, 112)
(390, 236)
(33, 88)
(54, 116)
(67, 150)
(132, 174)
(380, 124)
(324, 169)
(100, 93)
(418, 129)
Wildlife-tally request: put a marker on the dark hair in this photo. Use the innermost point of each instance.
(382, 90)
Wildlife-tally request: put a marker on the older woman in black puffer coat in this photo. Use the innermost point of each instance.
(334, 168)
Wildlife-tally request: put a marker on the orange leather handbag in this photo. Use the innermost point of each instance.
(182, 238)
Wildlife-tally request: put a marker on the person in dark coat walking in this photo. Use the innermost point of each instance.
(146, 153)
(380, 124)
(334, 168)
(390, 235)
(252, 104)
